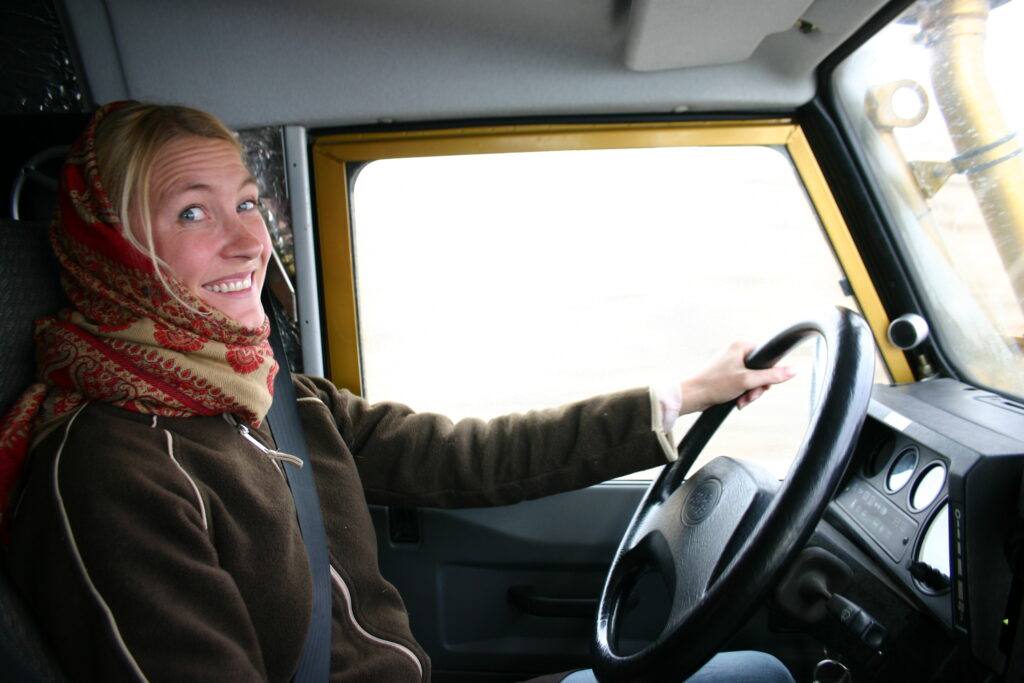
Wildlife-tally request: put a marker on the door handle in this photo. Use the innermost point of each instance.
(530, 601)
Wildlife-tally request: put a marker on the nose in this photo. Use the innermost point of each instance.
(246, 238)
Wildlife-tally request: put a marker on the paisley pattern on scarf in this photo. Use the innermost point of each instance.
(176, 339)
(131, 339)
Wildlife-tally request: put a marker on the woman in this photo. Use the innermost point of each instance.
(152, 531)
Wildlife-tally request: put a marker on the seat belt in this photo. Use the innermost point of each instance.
(283, 418)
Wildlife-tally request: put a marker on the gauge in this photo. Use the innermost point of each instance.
(934, 548)
(902, 469)
(928, 486)
(878, 459)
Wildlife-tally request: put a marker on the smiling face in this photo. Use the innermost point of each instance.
(207, 227)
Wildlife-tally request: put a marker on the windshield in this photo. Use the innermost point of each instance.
(935, 101)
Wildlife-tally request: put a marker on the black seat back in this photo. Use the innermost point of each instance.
(29, 289)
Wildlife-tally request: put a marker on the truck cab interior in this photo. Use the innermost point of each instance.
(484, 207)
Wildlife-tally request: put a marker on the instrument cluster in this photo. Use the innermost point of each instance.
(932, 494)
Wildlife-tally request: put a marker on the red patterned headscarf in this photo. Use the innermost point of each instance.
(131, 339)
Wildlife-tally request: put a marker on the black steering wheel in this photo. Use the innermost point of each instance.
(720, 538)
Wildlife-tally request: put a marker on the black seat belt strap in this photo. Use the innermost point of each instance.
(315, 660)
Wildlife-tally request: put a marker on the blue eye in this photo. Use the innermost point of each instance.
(192, 213)
(247, 205)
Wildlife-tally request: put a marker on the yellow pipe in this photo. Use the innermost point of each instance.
(988, 151)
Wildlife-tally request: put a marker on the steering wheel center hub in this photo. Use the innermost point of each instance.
(701, 500)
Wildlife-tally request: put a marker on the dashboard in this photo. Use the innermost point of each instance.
(933, 497)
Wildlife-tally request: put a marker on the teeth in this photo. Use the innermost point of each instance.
(225, 287)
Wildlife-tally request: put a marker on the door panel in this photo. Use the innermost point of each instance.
(456, 577)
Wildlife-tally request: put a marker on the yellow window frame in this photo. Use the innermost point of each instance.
(332, 153)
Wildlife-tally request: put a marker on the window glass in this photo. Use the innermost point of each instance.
(489, 284)
(935, 102)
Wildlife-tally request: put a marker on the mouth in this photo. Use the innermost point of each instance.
(230, 285)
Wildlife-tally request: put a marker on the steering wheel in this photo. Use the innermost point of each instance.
(720, 538)
(39, 175)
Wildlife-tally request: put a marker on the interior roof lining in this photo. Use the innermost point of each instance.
(325, 62)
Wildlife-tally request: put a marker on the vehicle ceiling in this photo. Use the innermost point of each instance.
(341, 62)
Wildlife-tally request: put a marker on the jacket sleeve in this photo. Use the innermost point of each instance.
(133, 589)
(422, 459)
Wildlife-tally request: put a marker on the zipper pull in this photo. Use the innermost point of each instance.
(269, 452)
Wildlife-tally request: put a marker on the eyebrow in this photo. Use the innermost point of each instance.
(177, 190)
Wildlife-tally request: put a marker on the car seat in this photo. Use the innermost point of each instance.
(29, 289)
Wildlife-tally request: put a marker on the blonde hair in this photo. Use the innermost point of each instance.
(128, 140)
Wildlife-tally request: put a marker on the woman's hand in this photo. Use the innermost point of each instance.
(726, 376)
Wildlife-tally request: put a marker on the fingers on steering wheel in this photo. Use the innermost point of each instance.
(751, 396)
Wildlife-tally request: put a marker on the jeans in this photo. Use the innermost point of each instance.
(734, 667)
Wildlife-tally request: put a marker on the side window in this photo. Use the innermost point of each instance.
(493, 283)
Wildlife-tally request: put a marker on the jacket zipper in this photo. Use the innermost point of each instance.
(277, 456)
(335, 576)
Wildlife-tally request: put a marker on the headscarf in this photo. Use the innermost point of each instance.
(131, 338)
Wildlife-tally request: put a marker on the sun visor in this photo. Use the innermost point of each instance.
(672, 34)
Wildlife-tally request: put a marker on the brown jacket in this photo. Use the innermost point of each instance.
(167, 549)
